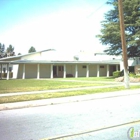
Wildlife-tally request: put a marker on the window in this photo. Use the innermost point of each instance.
(84, 67)
(10, 69)
(101, 67)
(4, 70)
(60, 68)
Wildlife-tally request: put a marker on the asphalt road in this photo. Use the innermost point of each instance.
(107, 119)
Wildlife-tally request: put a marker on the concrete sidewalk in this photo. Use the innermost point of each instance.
(58, 90)
(62, 90)
(62, 100)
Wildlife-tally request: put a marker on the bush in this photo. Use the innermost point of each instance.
(69, 75)
(116, 73)
(122, 73)
(132, 74)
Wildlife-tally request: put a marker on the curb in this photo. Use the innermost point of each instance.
(55, 101)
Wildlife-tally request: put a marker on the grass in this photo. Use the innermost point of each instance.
(39, 96)
(106, 79)
(7, 86)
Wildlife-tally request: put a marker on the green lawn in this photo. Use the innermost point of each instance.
(39, 96)
(7, 86)
(18, 85)
(103, 79)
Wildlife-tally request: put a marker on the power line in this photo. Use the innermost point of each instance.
(96, 10)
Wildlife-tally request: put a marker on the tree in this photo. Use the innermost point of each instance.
(19, 53)
(32, 49)
(10, 51)
(2, 50)
(110, 32)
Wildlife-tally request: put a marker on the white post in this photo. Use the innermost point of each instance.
(23, 75)
(76, 71)
(51, 76)
(64, 74)
(117, 68)
(1, 71)
(98, 71)
(38, 71)
(107, 71)
(7, 71)
(87, 73)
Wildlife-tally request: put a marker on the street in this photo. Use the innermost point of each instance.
(73, 118)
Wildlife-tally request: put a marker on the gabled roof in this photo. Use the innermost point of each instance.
(19, 56)
(83, 60)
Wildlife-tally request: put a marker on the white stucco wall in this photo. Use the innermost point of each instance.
(35, 56)
(92, 70)
(81, 70)
(15, 71)
(20, 71)
(45, 71)
(103, 71)
(68, 69)
(31, 71)
(73, 70)
(56, 55)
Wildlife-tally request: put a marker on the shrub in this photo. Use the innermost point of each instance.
(69, 75)
(116, 73)
(122, 73)
(132, 74)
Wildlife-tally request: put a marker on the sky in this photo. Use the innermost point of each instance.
(65, 25)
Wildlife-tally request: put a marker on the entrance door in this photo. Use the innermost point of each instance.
(60, 71)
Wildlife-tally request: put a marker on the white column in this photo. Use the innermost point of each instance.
(117, 68)
(51, 71)
(87, 73)
(1, 71)
(7, 71)
(38, 71)
(76, 71)
(107, 71)
(98, 71)
(64, 73)
(23, 75)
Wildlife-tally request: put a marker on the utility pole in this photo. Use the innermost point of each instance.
(124, 49)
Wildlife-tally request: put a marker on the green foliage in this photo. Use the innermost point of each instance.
(110, 32)
(32, 49)
(116, 73)
(19, 53)
(10, 49)
(132, 74)
(2, 50)
(7, 86)
(47, 95)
